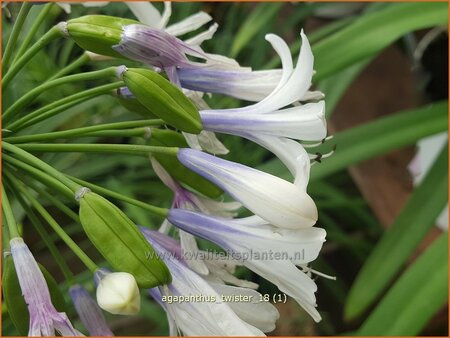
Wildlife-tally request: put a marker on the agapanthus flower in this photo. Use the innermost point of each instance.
(209, 315)
(187, 200)
(163, 50)
(89, 312)
(279, 202)
(268, 122)
(45, 320)
(250, 239)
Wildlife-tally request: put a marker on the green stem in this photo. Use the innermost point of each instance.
(32, 94)
(61, 105)
(53, 200)
(130, 149)
(83, 59)
(68, 275)
(36, 24)
(34, 161)
(60, 231)
(100, 190)
(9, 215)
(41, 176)
(51, 35)
(90, 131)
(24, 10)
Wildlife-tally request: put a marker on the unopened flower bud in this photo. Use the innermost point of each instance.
(163, 99)
(118, 293)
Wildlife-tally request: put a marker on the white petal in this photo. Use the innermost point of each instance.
(165, 227)
(295, 87)
(260, 314)
(145, 12)
(206, 141)
(284, 52)
(166, 14)
(190, 252)
(210, 143)
(291, 281)
(191, 23)
(163, 175)
(222, 209)
(220, 319)
(222, 274)
(95, 3)
(206, 35)
(291, 153)
(65, 6)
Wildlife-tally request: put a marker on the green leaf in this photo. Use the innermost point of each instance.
(15, 303)
(418, 294)
(254, 23)
(163, 99)
(381, 136)
(372, 32)
(336, 85)
(120, 242)
(399, 242)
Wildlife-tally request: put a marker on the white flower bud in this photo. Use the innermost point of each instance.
(118, 293)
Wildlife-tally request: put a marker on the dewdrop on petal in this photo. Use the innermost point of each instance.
(118, 293)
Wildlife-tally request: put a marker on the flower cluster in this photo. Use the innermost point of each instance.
(199, 292)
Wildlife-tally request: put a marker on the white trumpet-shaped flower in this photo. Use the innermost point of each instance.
(279, 202)
(268, 122)
(245, 84)
(207, 313)
(118, 293)
(271, 252)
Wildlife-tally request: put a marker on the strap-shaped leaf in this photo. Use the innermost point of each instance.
(381, 136)
(373, 32)
(419, 293)
(15, 303)
(257, 20)
(120, 242)
(398, 243)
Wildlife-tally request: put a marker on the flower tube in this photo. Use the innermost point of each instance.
(89, 312)
(45, 320)
(279, 202)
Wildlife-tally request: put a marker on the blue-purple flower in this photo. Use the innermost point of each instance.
(45, 320)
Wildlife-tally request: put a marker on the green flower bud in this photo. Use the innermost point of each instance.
(119, 240)
(98, 33)
(170, 138)
(163, 99)
(14, 301)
